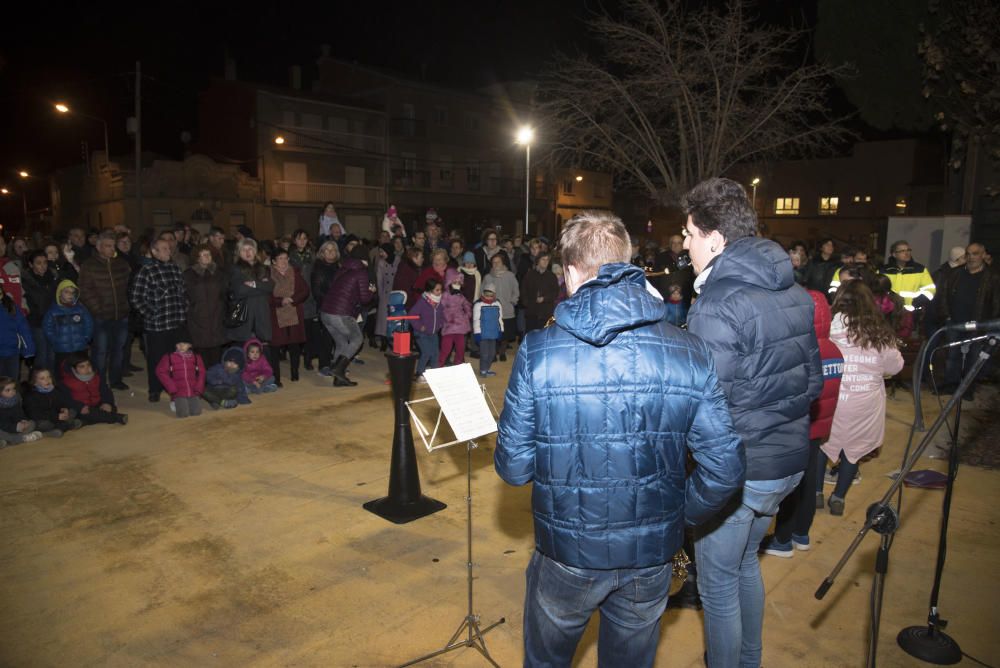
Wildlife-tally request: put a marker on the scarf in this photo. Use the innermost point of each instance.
(85, 379)
(432, 298)
(10, 402)
(44, 390)
(479, 279)
(284, 286)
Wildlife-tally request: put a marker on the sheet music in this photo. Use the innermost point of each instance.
(461, 398)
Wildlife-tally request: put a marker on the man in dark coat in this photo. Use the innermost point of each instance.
(104, 279)
(601, 410)
(759, 326)
(970, 292)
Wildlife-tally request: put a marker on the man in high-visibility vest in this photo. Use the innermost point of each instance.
(910, 280)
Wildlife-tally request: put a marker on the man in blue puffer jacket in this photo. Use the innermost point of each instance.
(601, 410)
(759, 326)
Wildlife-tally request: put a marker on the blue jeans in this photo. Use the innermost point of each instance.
(560, 599)
(108, 348)
(428, 345)
(45, 356)
(729, 582)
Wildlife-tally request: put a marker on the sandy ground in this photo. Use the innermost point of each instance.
(238, 539)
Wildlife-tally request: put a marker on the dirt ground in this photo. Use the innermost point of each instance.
(238, 539)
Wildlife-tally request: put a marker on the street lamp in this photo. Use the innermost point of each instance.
(63, 109)
(753, 200)
(279, 140)
(524, 137)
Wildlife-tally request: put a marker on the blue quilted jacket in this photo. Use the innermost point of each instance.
(759, 325)
(600, 412)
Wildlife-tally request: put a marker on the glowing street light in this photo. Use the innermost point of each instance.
(23, 174)
(4, 191)
(579, 178)
(754, 183)
(62, 108)
(525, 136)
(279, 140)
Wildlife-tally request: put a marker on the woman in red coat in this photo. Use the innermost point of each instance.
(407, 273)
(288, 328)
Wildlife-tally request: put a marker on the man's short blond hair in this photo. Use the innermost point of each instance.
(591, 239)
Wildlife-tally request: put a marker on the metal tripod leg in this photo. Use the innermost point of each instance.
(474, 636)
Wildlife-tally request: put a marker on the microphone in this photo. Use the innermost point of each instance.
(975, 326)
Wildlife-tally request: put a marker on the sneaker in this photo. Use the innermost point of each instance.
(771, 546)
(119, 386)
(229, 403)
(214, 405)
(420, 379)
(122, 419)
(270, 387)
(836, 506)
(31, 436)
(326, 371)
(173, 407)
(801, 543)
(154, 397)
(77, 424)
(830, 478)
(357, 360)
(820, 501)
(54, 433)
(243, 400)
(487, 374)
(503, 357)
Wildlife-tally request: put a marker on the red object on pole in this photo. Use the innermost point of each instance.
(401, 337)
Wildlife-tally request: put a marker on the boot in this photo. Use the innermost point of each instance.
(340, 378)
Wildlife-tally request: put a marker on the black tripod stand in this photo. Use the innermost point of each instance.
(882, 518)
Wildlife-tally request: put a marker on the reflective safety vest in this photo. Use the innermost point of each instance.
(910, 282)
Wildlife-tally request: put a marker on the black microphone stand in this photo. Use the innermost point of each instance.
(883, 519)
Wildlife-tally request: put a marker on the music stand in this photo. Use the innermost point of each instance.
(464, 403)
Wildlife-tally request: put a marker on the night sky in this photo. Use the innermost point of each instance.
(86, 56)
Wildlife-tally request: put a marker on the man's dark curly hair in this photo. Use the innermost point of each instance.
(721, 204)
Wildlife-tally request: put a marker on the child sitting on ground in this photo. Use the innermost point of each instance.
(48, 405)
(487, 326)
(182, 373)
(257, 374)
(224, 386)
(15, 427)
(90, 396)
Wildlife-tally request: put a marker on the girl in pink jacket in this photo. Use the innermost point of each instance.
(182, 373)
(457, 318)
(868, 344)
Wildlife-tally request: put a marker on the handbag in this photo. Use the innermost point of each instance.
(236, 312)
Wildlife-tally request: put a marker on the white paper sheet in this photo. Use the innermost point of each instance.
(461, 398)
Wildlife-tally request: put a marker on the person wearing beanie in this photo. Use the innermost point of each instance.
(392, 224)
(67, 325)
(487, 326)
(243, 232)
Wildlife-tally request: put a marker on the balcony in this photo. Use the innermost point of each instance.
(411, 178)
(407, 127)
(299, 191)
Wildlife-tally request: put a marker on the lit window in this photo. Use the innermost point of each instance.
(828, 205)
(900, 205)
(868, 198)
(786, 206)
(857, 198)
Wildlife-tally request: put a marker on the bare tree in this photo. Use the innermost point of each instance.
(678, 96)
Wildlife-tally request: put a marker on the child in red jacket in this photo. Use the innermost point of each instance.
(797, 510)
(182, 373)
(89, 395)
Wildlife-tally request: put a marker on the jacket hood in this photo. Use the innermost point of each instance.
(235, 354)
(252, 342)
(821, 315)
(351, 263)
(756, 261)
(66, 283)
(614, 301)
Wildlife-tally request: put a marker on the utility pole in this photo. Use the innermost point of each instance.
(138, 147)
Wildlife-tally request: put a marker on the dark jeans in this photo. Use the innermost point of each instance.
(954, 369)
(158, 344)
(108, 348)
(294, 355)
(97, 416)
(216, 394)
(845, 476)
(319, 343)
(560, 600)
(45, 356)
(797, 510)
(429, 351)
(487, 351)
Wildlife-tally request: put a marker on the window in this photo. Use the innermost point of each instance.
(857, 198)
(868, 199)
(786, 206)
(312, 121)
(472, 176)
(568, 187)
(901, 205)
(446, 172)
(407, 110)
(409, 163)
(471, 122)
(440, 116)
(337, 124)
(288, 119)
(828, 205)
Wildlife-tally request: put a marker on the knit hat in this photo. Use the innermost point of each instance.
(489, 285)
(392, 211)
(245, 231)
(468, 258)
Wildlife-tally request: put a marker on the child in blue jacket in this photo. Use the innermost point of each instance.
(68, 325)
(15, 337)
(487, 327)
(224, 386)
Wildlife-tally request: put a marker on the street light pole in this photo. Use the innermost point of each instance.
(525, 136)
(753, 199)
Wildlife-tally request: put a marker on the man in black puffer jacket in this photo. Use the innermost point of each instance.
(759, 326)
